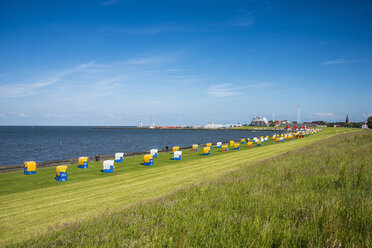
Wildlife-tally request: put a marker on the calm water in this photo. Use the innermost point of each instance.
(19, 144)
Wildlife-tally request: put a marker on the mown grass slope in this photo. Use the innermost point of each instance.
(318, 196)
(31, 212)
(17, 182)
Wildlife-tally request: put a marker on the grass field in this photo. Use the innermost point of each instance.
(31, 205)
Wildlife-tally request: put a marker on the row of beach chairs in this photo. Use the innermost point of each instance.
(109, 165)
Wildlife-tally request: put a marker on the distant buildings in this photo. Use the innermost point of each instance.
(316, 124)
(286, 122)
(215, 126)
(259, 122)
(364, 126)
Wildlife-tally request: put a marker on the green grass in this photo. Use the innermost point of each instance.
(17, 182)
(30, 205)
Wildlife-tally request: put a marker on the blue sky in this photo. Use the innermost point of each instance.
(120, 62)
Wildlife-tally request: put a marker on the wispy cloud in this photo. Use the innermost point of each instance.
(225, 90)
(33, 88)
(149, 30)
(269, 6)
(319, 114)
(340, 61)
(99, 77)
(113, 116)
(160, 28)
(2, 115)
(245, 20)
(109, 115)
(21, 114)
(315, 44)
(260, 85)
(21, 90)
(109, 2)
(367, 115)
(222, 90)
(238, 22)
(151, 60)
(55, 115)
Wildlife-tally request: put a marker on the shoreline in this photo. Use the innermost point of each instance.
(130, 183)
(44, 164)
(202, 190)
(193, 129)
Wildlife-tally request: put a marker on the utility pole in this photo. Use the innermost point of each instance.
(298, 114)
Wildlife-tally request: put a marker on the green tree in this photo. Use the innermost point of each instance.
(355, 124)
(369, 122)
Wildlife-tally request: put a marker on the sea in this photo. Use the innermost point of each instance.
(50, 143)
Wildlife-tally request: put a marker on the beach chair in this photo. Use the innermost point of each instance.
(236, 146)
(148, 160)
(225, 148)
(108, 166)
(119, 157)
(206, 151)
(30, 168)
(177, 155)
(195, 148)
(83, 162)
(61, 173)
(154, 153)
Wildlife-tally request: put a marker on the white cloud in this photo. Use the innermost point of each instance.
(367, 115)
(322, 43)
(222, 90)
(152, 30)
(61, 116)
(314, 45)
(151, 60)
(29, 89)
(260, 85)
(109, 2)
(225, 90)
(99, 76)
(241, 21)
(21, 90)
(111, 116)
(114, 116)
(21, 114)
(340, 61)
(117, 83)
(129, 85)
(2, 115)
(318, 114)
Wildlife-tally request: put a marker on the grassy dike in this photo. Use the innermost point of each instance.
(31, 205)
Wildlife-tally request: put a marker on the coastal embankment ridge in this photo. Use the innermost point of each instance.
(31, 210)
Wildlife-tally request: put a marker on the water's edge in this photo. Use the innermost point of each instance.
(19, 143)
(9, 168)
